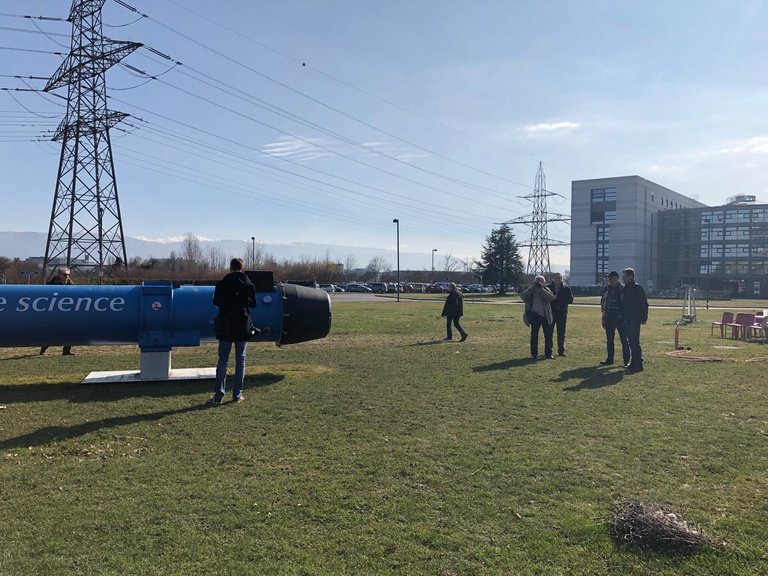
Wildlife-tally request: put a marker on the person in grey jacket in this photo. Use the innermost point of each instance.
(538, 314)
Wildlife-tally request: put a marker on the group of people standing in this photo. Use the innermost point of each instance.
(623, 306)
(624, 309)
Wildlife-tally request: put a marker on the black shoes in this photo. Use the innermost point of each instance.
(606, 362)
(464, 337)
(633, 369)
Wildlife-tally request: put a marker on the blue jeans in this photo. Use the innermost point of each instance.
(221, 369)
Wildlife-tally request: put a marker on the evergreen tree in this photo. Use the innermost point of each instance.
(500, 261)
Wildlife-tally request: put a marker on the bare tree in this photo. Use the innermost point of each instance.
(192, 253)
(376, 266)
(350, 263)
(256, 256)
(5, 262)
(216, 258)
(451, 263)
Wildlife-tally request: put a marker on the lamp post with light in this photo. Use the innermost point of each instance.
(433, 263)
(396, 221)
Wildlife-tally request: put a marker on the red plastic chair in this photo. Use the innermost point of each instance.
(739, 327)
(724, 321)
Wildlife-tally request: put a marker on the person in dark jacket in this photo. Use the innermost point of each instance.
(453, 310)
(563, 297)
(610, 306)
(234, 295)
(62, 278)
(634, 312)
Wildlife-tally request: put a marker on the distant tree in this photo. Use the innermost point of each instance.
(192, 253)
(350, 263)
(500, 261)
(451, 263)
(376, 266)
(5, 263)
(216, 258)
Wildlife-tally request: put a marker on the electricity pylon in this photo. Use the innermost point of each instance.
(86, 230)
(538, 246)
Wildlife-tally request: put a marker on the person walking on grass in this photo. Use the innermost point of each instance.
(538, 315)
(634, 312)
(610, 306)
(62, 278)
(235, 294)
(453, 310)
(563, 297)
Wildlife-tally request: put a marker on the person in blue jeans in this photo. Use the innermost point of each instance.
(235, 294)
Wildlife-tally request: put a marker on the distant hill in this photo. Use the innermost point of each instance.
(28, 244)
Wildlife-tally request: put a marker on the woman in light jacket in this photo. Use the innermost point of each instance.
(538, 314)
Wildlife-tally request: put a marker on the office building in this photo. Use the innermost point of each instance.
(722, 250)
(614, 226)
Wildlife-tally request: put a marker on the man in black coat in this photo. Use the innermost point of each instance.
(610, 306)
(235, 294)
(62, 278)
(563, 297)
(453, 310)
(634, 312)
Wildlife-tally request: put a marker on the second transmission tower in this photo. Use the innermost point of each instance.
(539, 244)
(86, 230)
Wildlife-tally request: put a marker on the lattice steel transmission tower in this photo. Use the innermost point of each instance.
(538, 246)
(86, 230)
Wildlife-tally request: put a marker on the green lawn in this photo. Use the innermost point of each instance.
(382, 450)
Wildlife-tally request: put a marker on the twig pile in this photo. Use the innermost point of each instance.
(649, 527)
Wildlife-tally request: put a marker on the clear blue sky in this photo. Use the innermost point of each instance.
(675, 92)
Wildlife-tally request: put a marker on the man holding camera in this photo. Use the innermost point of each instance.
(538, 315)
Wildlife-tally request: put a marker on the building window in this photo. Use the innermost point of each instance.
(603, 195)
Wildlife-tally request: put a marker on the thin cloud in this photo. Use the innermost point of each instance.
(172, 239)
(756, 145)
(546, 127)
(294, 148)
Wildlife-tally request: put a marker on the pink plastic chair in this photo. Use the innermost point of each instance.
(739, 327)
(724, 321)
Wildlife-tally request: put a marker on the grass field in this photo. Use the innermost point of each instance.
(382, 450)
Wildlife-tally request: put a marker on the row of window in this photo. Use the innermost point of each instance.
(603, 195)
(711, 217)
(727, 268)
(736, 250)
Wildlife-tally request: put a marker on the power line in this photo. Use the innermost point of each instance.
(309, 97)
(338, 80)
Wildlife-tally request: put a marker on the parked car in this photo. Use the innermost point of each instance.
(338, 288)
(434, 289)
(330, 288)
(378, 287)
(391, 287)
(353, 287)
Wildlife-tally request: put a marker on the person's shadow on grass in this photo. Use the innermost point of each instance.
(589, 378)
(505, 365)
(78, 393)
(429, 343)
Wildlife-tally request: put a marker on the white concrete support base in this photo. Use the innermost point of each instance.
(155, 367)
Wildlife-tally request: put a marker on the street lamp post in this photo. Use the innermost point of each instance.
(253, 252)
(433, 263)
(397, 223)
(709, 255)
